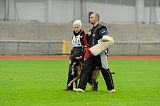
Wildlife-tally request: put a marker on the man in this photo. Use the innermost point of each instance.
(98, 33)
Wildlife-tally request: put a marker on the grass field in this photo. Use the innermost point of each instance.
(40, 83)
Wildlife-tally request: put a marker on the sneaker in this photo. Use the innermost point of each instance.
(74, 89)
(111, 91)
(79, 90)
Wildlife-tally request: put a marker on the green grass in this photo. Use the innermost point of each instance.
(40, 83)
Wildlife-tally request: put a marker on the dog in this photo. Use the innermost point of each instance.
(76, 70)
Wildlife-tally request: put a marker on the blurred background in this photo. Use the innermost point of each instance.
(45, 26)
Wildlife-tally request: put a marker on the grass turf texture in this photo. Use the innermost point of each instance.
(40, 83)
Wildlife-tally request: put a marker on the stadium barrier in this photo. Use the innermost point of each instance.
(30, 47)
(48, 38)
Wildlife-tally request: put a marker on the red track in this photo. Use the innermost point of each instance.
(65, 57)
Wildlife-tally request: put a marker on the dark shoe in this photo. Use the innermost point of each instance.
(67, 89)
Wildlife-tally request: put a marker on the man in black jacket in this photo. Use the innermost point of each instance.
(99, 33)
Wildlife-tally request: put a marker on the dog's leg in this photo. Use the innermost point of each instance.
(76, 83)
(72, 67)
(73, 81)
(95, 75)
(78, 74)
(92, 87)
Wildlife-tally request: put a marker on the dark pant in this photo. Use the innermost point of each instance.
(90, 64)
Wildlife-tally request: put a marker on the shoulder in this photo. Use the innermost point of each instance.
(103, 27)
(82, 33)
(103, 30)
